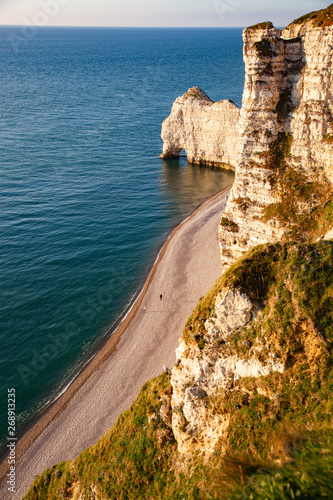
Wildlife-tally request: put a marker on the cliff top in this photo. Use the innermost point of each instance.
(319, 18)
(197, 93)
(261, 26)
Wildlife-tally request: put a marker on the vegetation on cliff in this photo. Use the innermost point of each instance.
(229, 225)
(305, 208)
(136, 459)
(304, 470)
(319, 18)
(262, 26)
(279, 439)
(264, 47)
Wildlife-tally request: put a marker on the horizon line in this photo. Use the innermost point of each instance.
(121, 27)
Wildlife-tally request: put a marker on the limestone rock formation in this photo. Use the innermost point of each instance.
(283, 156)
(312, 120)
(207, 130)
(204, 373)
(288, 88)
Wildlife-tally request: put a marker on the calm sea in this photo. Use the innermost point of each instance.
(86, 202)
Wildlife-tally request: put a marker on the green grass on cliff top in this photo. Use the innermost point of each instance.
(261, 26)
(305, 474)
(319, 18)
(136, 459)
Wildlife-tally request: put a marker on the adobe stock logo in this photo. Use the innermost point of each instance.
(48, 9)
(224, 7)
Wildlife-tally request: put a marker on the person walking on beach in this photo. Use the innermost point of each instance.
(161, 297)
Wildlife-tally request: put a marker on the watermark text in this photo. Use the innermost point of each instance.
(11, 438)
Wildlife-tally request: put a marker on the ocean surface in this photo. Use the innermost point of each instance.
(85, 201)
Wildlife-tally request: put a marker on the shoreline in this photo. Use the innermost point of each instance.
(104, 350)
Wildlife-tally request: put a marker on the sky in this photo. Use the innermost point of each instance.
(159, 13)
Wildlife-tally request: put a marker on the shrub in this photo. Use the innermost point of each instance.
(229, 225)
(264, 47)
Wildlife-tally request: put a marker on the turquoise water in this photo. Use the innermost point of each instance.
(86, 202)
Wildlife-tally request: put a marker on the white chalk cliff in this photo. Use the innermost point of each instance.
(207, 130)
(202, 373)
(282, 134)
(288, 89)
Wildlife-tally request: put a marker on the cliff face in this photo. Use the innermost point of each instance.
(311, 122)
(204, 370)
(285, 117)
(249, 340)
(207, 130)
(282, 190)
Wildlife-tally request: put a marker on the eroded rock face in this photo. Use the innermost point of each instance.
(201, 374)
(207, 130)
(232, 311)
(312, 120)
(288, 89)
(287, 94)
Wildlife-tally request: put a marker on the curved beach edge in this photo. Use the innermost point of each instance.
(105, 351)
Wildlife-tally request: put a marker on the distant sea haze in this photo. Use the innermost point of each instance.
(86, 202)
